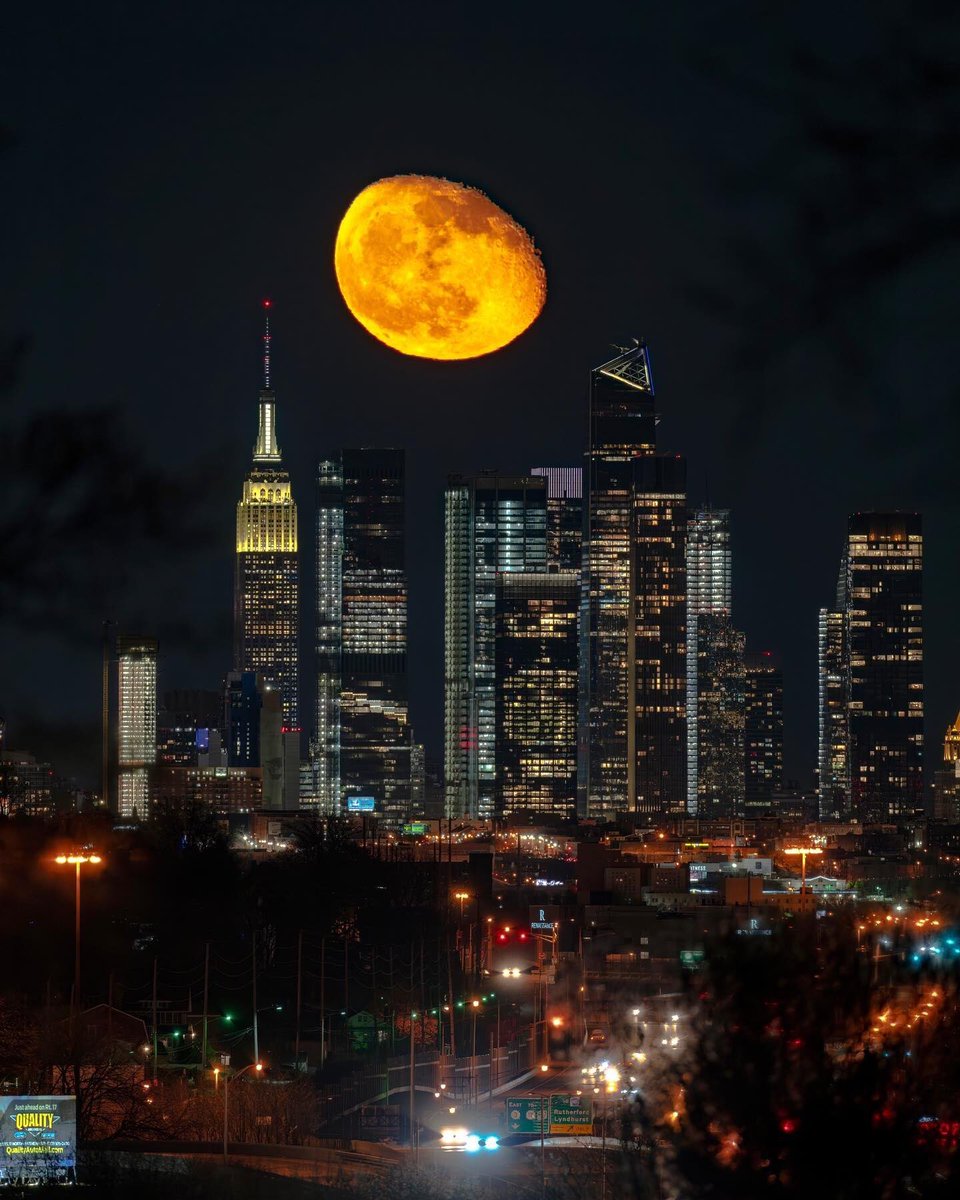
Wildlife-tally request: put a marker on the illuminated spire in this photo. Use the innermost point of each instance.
(266, 346)
(267, 450)
(631, 366)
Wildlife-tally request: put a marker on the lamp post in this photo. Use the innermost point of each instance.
(256, 1026)
(258, 1067)
(475, 1006)
(461, 896)
(76, 860)
(803, 851)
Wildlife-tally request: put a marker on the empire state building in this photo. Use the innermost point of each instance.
(267, 587)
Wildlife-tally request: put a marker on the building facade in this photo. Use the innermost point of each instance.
(622, 423)
(833, 757)
(656, 643)
(871, 700)
(494, 525)
(763, 731)
(361, 743)
(632, 751)
(537, 653)
(136, 659)
(709, 592)
(564, 516)
(884, 564)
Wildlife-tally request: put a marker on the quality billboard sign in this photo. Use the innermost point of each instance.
(38, 1137)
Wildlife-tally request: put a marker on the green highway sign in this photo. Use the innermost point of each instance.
(415, 829)
(571, 1114)
(691, 958)
(561, 1114)
(524, 1114)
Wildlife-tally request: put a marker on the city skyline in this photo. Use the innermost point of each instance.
(758, 424)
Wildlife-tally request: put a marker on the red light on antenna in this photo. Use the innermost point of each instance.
(267, 303)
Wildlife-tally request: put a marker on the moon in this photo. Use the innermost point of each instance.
(435, 269)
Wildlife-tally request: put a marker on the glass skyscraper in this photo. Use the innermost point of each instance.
(871, 674)
(537, 654)
(833, 753)
(632, 721)
(884, 562)
(564, 516)
(361, 742)
(708, 593)
(494, 524)
(763, 731)
(656, 646)
(136, 724)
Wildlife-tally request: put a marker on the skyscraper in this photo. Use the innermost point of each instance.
(136, 724)
(708, 592)
(871, 674)
(495, 524)
(763, 731)
(362, 738)
(946, 783)
(632, 723)
(656, 648)
(537, 651)
(884, 562)
(267, 585)
(266, 594)
(720, 699)
(564, 516)
(833, 757)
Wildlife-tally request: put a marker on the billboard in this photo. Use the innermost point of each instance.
(361, 804)
(38, 1137)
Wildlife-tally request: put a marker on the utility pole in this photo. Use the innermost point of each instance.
(453, 1005)
(206, 998)
(413, 1135)
(296, 1045)
(155, 1062)
(323, 1000)
(253, 978)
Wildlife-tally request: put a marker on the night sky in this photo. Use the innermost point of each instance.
(769, 197)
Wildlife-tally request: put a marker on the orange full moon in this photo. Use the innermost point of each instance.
(435, 269)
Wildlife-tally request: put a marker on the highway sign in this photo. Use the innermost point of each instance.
(571, 1114)
(524, 1114)
(561, 1114)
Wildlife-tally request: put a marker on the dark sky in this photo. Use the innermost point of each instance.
(769, 197)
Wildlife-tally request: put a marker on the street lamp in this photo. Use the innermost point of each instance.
(803, 851)
(76, 860)
(256, 1027)
(258, 1067)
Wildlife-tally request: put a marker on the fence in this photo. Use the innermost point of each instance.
(466, 1079)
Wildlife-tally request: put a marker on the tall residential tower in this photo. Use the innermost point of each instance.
(494, 525)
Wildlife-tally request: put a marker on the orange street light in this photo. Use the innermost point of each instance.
(803, 851)
(76, 860)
